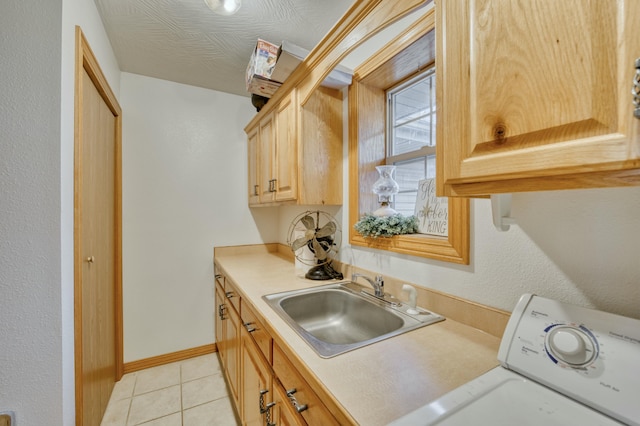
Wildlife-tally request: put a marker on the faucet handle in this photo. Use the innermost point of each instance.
(379, 287)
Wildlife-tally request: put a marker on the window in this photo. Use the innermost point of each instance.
(411, 136)
(401, 74)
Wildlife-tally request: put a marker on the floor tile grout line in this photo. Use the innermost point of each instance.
(135, 381)
(198, 376)
(181, 398)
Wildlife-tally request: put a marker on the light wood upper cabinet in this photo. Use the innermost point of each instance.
(266, 159)
(296, 151)
(536, 95)
(308, 116)
(286, 169)
(320, 148)
(273, 163)
(252, 150)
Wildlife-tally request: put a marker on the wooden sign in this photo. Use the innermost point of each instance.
(432, 212)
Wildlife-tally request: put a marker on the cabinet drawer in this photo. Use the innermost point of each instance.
(257, 331)
(232, 294)
(299, 390)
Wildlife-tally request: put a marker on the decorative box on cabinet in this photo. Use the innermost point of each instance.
(536, 95)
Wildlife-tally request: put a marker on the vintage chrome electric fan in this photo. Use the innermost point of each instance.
(319, 232)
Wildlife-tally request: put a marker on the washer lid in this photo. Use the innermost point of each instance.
(501, 397)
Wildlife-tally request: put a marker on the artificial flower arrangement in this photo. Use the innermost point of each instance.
(386, 226)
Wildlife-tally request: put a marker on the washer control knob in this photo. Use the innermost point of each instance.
(571, 346)
(567, 342)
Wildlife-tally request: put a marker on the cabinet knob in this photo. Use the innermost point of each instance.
(229, 294)
(90, 259)
(635, 91)
(255, 190)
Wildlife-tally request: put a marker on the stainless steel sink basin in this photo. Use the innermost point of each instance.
(340, 317)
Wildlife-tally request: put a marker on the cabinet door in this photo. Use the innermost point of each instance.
(266, 155)
(320, 148)
(256, 383)
(232, 350)
(219, 324)
(286, 176)
(252, 150)
(536, 95)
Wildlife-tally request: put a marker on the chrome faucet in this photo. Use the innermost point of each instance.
(378, 284)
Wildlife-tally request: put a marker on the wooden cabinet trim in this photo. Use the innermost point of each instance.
(367, 118)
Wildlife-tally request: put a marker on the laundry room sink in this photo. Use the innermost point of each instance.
(340, 317)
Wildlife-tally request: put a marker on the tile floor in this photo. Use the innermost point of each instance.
(184, 393)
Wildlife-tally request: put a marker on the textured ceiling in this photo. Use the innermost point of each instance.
(185, 42)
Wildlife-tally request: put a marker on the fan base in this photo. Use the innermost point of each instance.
(322, 273)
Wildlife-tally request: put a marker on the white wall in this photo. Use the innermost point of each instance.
(30, 317)
(184, 192)
(36, 195)
(578, 246)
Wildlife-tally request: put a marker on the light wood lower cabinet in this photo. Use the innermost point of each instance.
(257, 395)
(266, 387)
(227, 328)
(303, 399)
(284, 412)
(219, 324)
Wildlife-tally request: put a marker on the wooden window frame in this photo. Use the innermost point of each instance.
(399, 60)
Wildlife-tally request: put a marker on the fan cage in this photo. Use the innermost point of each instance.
(320, 218)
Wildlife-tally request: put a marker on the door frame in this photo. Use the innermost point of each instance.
(85, 60)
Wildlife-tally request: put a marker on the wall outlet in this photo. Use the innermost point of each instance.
(7, 418)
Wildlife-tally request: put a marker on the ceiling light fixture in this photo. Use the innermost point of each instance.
(224, 7)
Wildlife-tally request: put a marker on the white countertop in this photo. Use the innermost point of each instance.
(380, 382)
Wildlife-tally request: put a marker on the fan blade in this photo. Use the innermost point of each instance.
(326, 230)
(321, 254)
(307, 221)
(299, 243)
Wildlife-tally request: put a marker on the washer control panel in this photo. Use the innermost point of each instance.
(588, 355)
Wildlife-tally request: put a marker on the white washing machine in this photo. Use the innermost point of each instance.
(561, 365)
